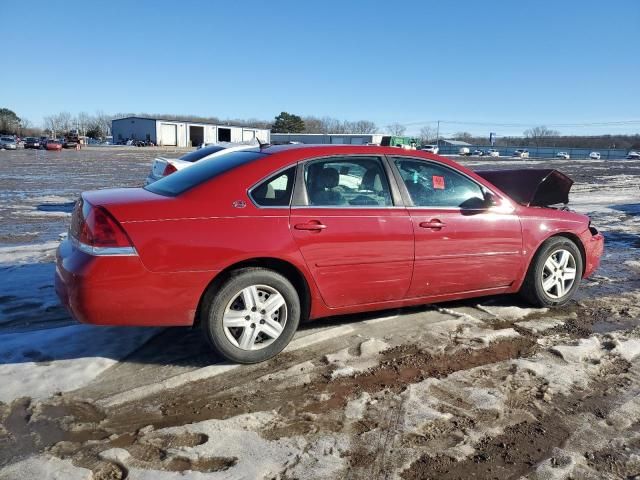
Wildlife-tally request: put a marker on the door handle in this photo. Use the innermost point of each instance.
(434, 224)
(313, 226)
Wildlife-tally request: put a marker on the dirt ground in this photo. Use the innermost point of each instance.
(487, 388)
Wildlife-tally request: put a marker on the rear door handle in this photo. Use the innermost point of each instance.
(434, 224)
(314, 226)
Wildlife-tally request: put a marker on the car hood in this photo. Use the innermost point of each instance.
(531, 187)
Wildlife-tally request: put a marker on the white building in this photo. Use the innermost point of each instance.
(322, 138)
(177, 133)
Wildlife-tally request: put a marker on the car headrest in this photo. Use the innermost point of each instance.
(371, 180)
(329, 178)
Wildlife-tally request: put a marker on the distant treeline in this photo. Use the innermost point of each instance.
(628, 142)
(99, 125)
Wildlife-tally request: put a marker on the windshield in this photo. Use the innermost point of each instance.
(6, 139)
(183, 180)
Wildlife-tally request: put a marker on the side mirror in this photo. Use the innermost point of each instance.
(490, 200)
(478, 205)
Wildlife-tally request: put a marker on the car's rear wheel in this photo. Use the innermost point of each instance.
(252, 316)
(555, 273)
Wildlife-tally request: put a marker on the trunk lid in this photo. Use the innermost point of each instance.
(158, 166)
(129, 204)
(531, 187)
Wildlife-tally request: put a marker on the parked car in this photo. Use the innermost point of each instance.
(249, 244)
(464, 151)
(478, 153)
(8, 143)
(563, 155)
(53, 145)
(31, 142)
(69, 143)
(492, 152)
(594, 155)
(43, 142)
(430, 148)
(633, 155)
(521, 153)
(161, 167)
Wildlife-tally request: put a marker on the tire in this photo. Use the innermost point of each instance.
(242, 296)
(548, 261)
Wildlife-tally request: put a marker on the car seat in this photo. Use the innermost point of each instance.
(322, 183)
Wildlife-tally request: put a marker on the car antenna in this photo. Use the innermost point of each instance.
(263, 145)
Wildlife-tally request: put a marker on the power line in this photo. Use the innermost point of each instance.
(521, 125)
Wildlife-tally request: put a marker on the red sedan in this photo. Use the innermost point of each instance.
(53, 145)
(253, 242)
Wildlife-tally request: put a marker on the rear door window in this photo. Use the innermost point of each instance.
(356, 181)
(276, 190)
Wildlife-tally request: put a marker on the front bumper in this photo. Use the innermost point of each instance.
(594, 248)
(120, 290)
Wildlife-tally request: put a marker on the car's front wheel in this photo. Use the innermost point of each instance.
(252, 316)
(555, 273)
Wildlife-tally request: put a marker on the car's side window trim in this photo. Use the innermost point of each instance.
(405, 192)
(267, 177)
(300, 198)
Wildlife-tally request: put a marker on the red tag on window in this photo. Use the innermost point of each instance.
(438, 182)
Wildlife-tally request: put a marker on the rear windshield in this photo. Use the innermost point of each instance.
(201, 153)
(187, 178)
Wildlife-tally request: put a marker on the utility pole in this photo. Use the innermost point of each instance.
(438, 133)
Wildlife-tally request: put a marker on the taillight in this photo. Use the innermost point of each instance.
(97, 232)
(169, 169)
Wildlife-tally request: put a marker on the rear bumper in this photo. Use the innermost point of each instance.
(119, 290)
(151, 179)
(594, 248)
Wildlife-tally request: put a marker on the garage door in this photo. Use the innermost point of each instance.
(168, 134)
(248, 135)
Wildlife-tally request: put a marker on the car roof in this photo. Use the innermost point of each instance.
(336, 148)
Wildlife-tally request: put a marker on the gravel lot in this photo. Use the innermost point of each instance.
(486, 388)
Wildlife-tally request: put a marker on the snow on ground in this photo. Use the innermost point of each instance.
(42, 350)
(22, 254)
(45, 467)
(451, 413)
(42, 362)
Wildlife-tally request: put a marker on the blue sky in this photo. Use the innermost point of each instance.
(488, 62)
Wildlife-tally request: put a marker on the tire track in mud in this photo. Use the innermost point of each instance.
(307, 409)
(71, 425)
(520, 447)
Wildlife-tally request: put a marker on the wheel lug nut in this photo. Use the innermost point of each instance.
(261, 322)
(253, 309)
(263, 312)
(253, 325)
(247, 317)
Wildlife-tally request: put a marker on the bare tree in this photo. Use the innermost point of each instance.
(396, 129)
(83, 120)
(50, 124)
(103, 121)
(464, 136)
(427, 134)
(64, 121)
(313, 125)
(540, 135)
(362, 126)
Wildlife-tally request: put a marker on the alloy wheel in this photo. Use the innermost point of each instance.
(559, 273)
(255, 317)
